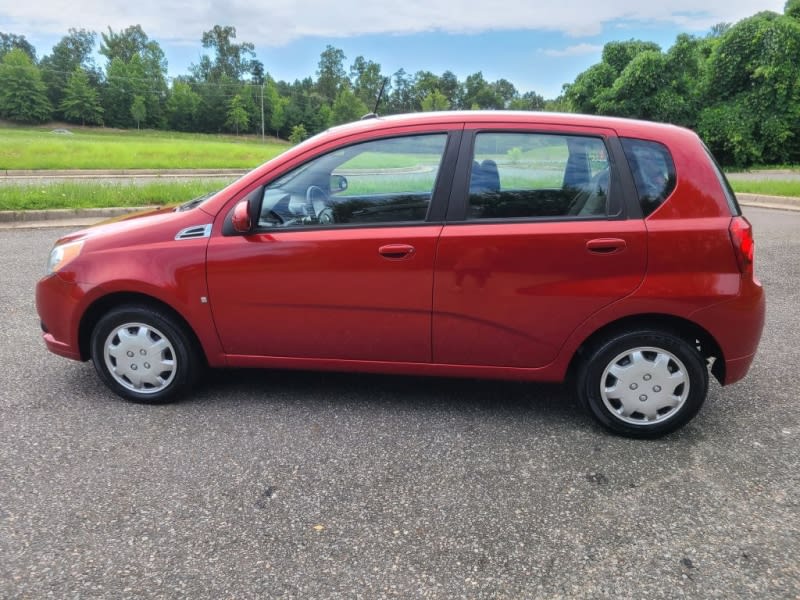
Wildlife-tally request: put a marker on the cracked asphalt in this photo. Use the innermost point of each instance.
(305, 485)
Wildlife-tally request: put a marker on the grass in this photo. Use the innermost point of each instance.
(768, 187)
(98, 148)
(100, 195)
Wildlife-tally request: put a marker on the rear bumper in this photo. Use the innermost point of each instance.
(737, 368)
(736, 325)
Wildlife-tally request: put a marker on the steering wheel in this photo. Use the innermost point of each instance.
(314, 192)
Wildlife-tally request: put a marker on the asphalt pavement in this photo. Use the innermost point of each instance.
(275, 484)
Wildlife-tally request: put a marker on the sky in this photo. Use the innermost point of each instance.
(537, 46)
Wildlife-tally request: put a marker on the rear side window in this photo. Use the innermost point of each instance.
(733, 204)
(653, 171)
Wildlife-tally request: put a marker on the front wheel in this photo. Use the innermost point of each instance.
(643, 384)
(143, 354)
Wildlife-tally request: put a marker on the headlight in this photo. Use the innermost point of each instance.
(62, 254)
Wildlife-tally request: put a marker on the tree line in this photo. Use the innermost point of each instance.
(738, 87)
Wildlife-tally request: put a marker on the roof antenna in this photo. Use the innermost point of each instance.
(374, 113)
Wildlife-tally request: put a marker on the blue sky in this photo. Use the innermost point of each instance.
(538, 47)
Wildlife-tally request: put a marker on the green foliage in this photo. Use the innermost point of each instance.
(435, 100)
(330, 72)
(752, 112)
(10, 41)
(298, 134)
(81, 103)
(138, 110)
(347, 107)
(22, 91)
(182, 107)
(584, 94)
(528, 101)
(73, 51)
(618, 55)
(792, 9)
(231, 61)
(237, 115)
(367, 80)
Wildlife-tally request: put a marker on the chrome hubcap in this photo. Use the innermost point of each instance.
(644, 386)
(140, 358)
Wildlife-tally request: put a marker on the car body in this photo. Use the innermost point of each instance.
(530, 246)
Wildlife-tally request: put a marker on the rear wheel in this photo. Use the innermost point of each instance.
(643, 384)
(143, 354)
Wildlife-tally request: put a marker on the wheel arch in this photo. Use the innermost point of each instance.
(102, 305)
(688, 330)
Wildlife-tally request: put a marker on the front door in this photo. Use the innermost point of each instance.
(341, 264)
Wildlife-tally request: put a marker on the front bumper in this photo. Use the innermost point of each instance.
(58, 302)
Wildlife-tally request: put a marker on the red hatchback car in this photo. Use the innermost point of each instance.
(523, 246)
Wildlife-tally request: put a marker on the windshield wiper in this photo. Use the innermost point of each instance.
(194, 202)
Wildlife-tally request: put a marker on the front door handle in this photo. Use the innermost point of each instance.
(606, 245)
(396, 251)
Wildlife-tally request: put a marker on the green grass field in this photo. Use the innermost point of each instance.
(100, 195)
(98, 148)
(768, 187)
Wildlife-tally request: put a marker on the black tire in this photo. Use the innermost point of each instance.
(635, 383)
(143, 354)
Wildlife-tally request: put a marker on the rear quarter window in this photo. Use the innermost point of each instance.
(653, 171)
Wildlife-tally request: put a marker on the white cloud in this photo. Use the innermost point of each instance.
(577, 50)
(279, 22)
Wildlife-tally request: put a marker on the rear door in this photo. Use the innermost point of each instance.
(537, 240)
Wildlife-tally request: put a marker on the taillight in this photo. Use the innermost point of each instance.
(743, 244)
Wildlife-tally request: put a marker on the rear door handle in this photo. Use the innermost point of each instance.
(606, 245)
(397, 251)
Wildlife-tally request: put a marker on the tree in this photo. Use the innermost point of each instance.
(505, 91)
(435, 100)
(330, 72)
(298, 134)
(10, 41)
(347, 107)
(275, 106)
(367, 80)
(237, 115)
(792, 9)
(528, 101)
(182, 107)
(81, 101)
(231, 60)
(479, 94)
(617, 55)
(138, 110)
(401, 97)
(136, 66)
(22, 91)
(451, 88)
(583, 94)
(73, 51)
(751, 112)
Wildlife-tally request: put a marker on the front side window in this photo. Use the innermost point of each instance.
(529, 175)
(653, 171)
(382, 181)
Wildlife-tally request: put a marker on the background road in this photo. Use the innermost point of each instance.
(302, 485)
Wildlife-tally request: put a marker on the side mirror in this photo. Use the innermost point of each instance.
(338, 183)
(242, 223)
